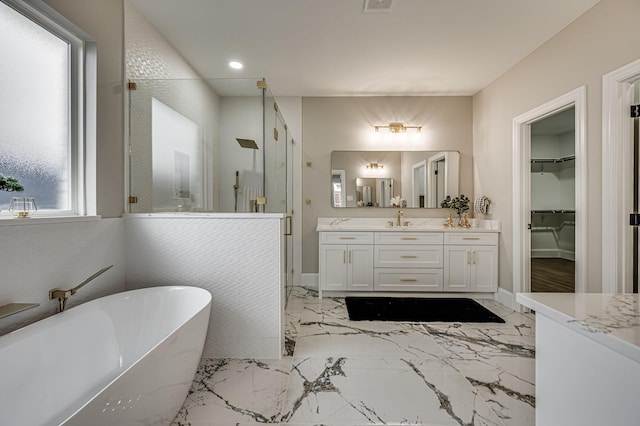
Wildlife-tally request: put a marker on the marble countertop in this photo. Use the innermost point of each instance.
(416, 224)
(610, 319)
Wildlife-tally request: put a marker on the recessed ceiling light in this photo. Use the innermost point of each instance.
(236, 65)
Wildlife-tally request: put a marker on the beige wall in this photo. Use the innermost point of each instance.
(601, 40)
(346, 124)
(103, 20)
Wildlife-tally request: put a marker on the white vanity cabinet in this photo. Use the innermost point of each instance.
(408, 261)
(471, 262)
(368, 255)
(346, 261)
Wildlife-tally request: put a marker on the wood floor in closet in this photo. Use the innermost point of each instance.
(552, 275)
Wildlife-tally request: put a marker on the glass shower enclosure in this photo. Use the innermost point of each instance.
(210, 145)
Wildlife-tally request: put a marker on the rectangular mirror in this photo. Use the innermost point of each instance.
(421, 179)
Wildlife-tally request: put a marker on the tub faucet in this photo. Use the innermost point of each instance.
(400, 214)
(63, 295)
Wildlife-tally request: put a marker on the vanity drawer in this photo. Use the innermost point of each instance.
(346, 237)
(415, 256)
(408, 237)
(387, 279)
(471, 238)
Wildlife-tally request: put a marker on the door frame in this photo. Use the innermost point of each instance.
(522, 187)
(617, 190)
(343, 187)
(414, 184)
(432, 183)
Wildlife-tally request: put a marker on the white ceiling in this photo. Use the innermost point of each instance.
(332, 48)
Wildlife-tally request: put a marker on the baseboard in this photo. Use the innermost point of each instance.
(553, 254)
(310, 280)
(507, 299)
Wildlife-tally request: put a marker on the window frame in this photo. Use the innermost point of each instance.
(82, 103)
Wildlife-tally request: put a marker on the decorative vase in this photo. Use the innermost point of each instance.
(463, 221)
(449, 222)
(22, 207)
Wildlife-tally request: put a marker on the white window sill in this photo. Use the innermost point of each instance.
(44, 220)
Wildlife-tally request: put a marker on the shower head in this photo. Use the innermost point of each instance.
(247, 143)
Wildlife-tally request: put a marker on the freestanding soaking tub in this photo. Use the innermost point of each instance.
(124, 359)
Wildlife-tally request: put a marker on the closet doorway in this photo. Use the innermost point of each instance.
(553, 203)
(523, 220)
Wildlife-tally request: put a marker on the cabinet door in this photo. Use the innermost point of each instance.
(484, 267)
(457, 271)
(360, 275)
(333, 267)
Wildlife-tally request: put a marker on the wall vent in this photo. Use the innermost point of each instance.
(377, 6)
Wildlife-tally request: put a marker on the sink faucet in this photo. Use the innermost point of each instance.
(400, 214)
(63, 295)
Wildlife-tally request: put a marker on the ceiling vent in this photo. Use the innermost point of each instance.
(377, 6)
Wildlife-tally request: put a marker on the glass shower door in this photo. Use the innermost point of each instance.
(278, 179)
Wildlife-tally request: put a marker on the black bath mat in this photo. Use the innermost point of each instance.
(418, 310)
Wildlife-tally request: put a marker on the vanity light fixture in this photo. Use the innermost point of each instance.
(236, 65)
(398, 128)
(375, 166)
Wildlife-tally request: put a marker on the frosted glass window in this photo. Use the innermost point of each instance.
(35, 140)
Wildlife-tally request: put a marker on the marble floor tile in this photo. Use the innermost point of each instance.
(292, 328)
(352, 391)
(525, 322)
(506, 383)
(366, 339)
(341, 372)
(326, 310)
(481, 341)
(236, 391)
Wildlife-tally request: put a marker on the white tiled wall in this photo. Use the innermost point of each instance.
(36, 257)
(236, 257)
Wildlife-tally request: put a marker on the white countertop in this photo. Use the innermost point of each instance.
(610, 319)
(416, 224)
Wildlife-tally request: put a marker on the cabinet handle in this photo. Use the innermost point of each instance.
(471, 238)
(408, 238)
(350, 256)
(347, 238)
(344, 256)
(475, 257)
(408, 257)
(408, 279)
(468, 258)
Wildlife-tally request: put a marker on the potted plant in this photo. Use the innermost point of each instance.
(10, 184)
(460, 204)
(398, 201)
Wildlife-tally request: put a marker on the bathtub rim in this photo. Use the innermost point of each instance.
(16, 335)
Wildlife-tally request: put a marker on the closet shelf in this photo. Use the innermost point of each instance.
(553, 160)
(553, 211)
(552, 165)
